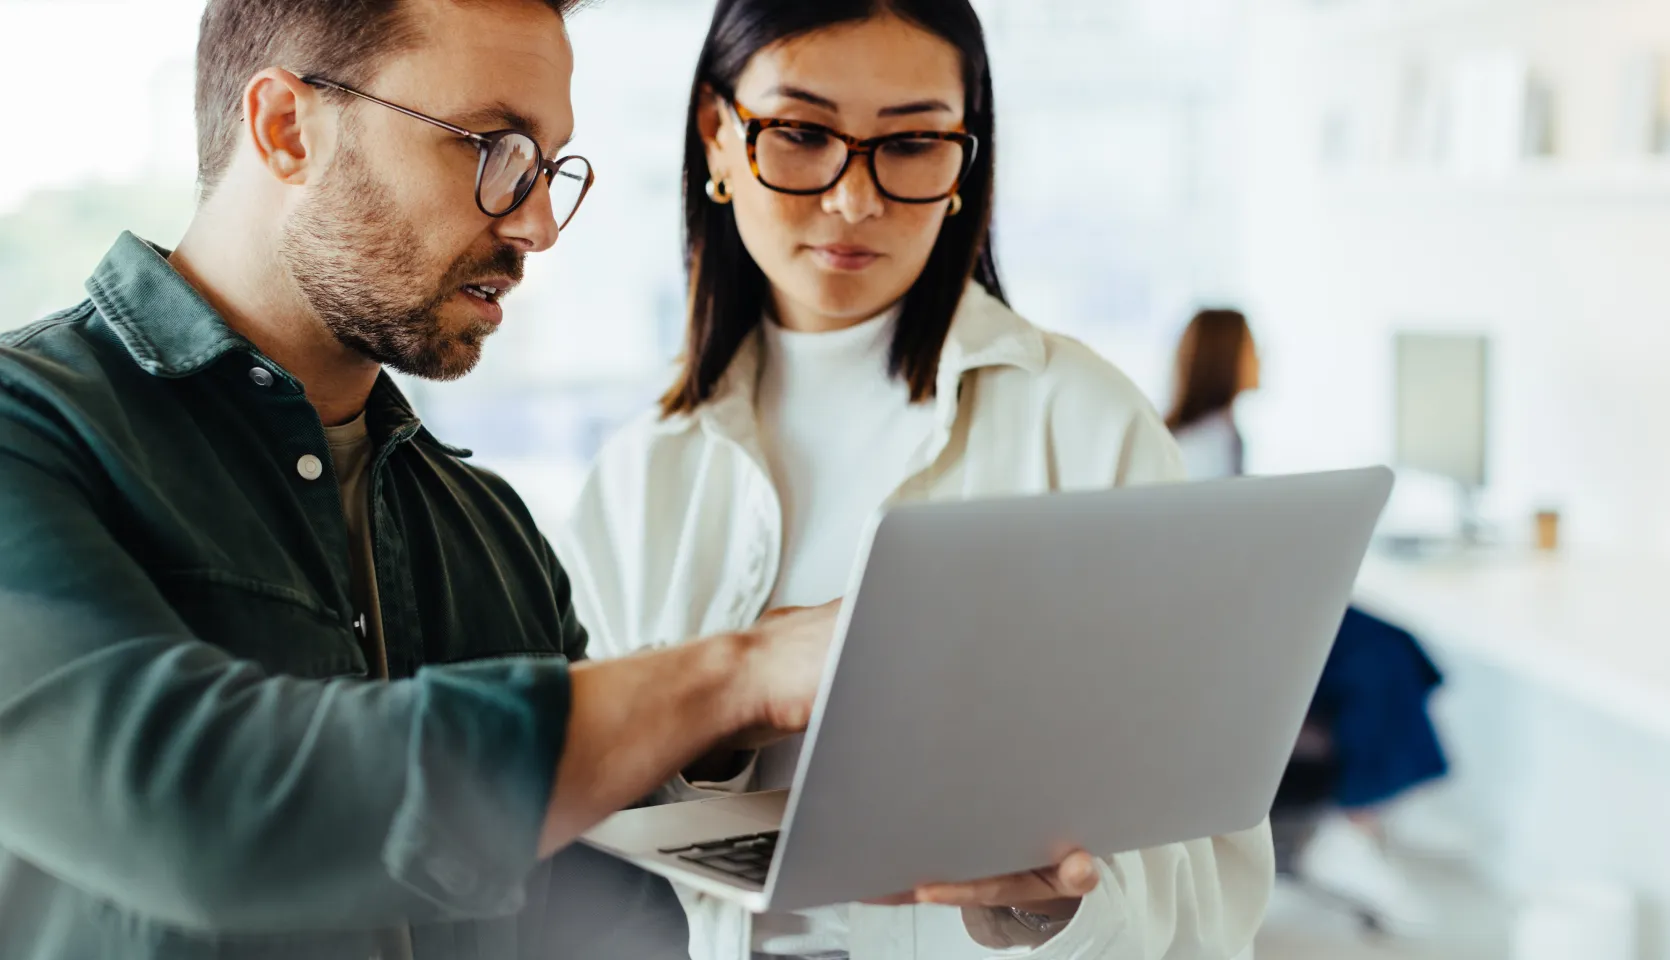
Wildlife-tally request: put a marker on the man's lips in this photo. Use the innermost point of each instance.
(489, 289)
(484, 295)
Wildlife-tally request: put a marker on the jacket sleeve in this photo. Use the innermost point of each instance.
(1200, 900)
(150, 769)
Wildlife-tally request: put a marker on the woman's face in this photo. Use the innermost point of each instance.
(1251, 368)
(842, 257)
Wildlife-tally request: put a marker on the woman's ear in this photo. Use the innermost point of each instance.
(710, 119)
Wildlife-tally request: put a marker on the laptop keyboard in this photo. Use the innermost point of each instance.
(746, 857)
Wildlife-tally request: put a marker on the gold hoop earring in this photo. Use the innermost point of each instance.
(956, 205)
(719, 191)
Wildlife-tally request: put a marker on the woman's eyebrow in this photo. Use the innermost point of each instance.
(824, 103)
(804, 96)
(920, 106)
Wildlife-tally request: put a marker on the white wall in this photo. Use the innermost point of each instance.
(1564, 263)
(1115, 193)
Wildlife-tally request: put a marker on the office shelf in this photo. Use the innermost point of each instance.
(1619, 183)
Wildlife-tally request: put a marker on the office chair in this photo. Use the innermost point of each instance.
(1303, 799)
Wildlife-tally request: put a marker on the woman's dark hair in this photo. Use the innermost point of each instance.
(1209, 366)
(727, 290)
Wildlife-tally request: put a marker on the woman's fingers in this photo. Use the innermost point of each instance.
(1072, 879)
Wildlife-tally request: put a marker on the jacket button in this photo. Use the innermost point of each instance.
(261, 376)
(310, 467)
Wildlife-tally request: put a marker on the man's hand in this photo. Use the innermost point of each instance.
(783, 671)
(730, 757)
(637, 721)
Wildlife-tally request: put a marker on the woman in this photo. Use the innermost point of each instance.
(1216, 363)
(1370, 712)
(849, 346)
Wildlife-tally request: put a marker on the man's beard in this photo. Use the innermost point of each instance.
(360, 269)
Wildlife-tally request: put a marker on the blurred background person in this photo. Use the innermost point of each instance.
(1217, 362)
(1368, 739)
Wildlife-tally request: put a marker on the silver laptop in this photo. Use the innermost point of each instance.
(1013, 679)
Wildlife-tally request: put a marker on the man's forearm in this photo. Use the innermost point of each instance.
(268, 838)
(636, 722)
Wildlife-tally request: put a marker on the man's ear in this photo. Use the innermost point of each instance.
(282, 123)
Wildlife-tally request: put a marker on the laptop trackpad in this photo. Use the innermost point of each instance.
(767, 807)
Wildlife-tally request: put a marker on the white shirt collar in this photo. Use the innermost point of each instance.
(984, 333)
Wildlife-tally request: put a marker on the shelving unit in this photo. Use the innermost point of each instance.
(1374, 21)
(1534, 182)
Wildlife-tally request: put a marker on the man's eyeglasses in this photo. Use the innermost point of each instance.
(510, 164)
(803, 159)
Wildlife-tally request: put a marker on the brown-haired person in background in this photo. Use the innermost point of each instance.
(281, 674)
(1370, 716)
(1216, 363)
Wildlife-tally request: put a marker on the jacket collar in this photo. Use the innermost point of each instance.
(165, 324)
(170, 331)
(984, 333)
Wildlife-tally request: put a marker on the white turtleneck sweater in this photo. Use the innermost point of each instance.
(838, 433)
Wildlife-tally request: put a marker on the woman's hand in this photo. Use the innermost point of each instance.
(1055, 891)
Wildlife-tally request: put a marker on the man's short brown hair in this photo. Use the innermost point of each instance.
(340, 39)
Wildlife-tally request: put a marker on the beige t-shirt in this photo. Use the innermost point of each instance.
(351, 453)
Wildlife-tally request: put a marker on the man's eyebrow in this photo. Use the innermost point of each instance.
(502, 116)
(499, 116)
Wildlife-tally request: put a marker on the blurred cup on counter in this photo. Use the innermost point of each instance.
(1548, 530)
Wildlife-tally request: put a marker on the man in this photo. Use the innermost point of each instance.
(220, 523)
(281, 675)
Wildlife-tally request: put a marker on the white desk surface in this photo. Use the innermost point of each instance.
(1593, 628)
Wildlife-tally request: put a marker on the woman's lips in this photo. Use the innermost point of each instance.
(844, 258)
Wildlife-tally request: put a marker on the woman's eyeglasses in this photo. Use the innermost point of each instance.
(510, 164)
(800, 158)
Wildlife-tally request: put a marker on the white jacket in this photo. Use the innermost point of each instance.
(678, 534)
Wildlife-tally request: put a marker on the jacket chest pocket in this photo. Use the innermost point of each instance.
(284, 630)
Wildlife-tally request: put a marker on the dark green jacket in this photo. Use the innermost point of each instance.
(193, 761)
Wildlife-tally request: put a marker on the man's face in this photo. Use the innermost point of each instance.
(388, 238)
